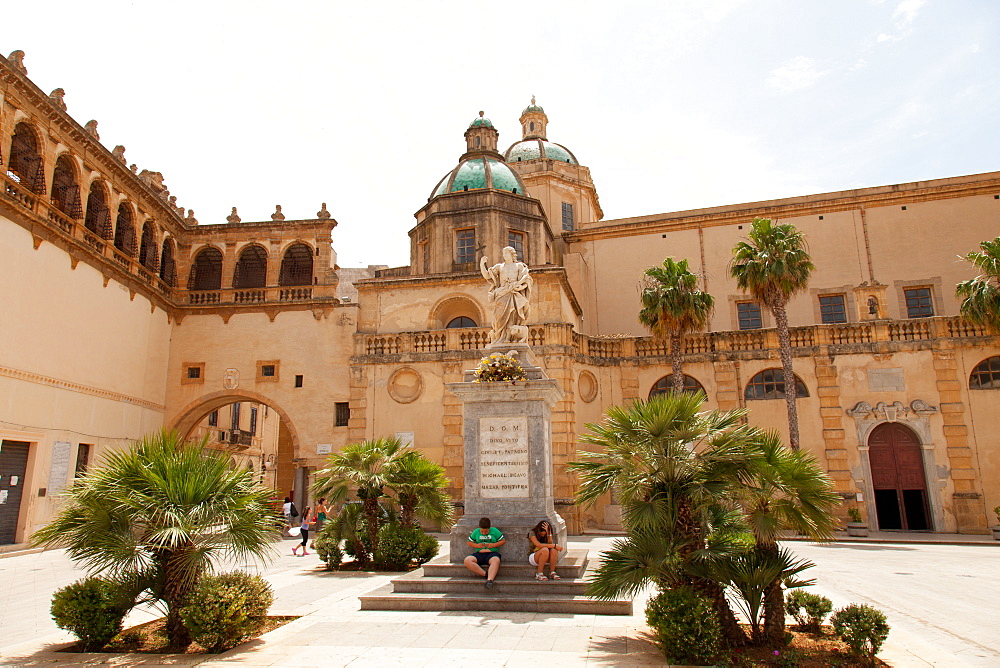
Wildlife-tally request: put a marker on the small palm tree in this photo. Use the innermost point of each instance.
(421, 487)
(364, 468)
(772, 266)
(673, 469)
(981, 295)
(159, 515)
(672, 306)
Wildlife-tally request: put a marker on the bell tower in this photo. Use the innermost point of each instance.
(533, 121)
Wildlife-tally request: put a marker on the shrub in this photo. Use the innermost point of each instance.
(399, 547)
(686, 626)
(855, 516)
(863, 628)
(92, 610)
(808, 609)
(223, 610)
(328, 546)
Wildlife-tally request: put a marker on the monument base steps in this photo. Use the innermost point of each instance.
(440, 585)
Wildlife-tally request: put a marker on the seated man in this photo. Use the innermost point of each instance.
(485, 540)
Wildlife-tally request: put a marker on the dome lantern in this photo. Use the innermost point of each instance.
(533, 121)
(481, 135)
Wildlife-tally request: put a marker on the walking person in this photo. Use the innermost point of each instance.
(485, 540)
(320, 519)
(304, 532)
(289, 511)
(543, 550)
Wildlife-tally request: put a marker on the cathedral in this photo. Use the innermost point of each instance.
(123, 315)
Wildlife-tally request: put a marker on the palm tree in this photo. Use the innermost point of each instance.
(981, 295)
(672, 306)
(159, 515)
(365, 468)
(421, 487)
(673, 469)
(787, 490)
(772, 266)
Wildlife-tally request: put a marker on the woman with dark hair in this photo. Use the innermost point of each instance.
(304, 532)
(544, 550)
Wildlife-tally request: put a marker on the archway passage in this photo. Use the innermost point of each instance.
(898, 478)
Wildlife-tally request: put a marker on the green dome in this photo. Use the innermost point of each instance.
(480, 173)
(481, 122)
(532, 107)
(537, 149)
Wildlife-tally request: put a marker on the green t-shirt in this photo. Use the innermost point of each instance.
(494, 536)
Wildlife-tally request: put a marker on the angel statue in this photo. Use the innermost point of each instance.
(510, 291)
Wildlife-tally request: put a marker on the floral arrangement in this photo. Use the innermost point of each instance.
(498, 367)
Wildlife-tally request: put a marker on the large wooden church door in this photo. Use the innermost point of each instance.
(898, 478)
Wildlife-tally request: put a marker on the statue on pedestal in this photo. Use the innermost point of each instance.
(510, 293)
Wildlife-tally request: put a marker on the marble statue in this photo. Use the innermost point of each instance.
(510, 293)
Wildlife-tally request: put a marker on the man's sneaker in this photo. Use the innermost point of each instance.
(489, 584)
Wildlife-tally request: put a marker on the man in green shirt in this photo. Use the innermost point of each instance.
(485, 540)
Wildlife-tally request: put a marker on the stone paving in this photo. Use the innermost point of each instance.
(942, 600)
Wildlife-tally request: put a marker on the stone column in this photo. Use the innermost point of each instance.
(507, 429)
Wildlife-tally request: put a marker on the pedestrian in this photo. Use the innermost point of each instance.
(485, 540)
(543, 550)
(321, 511)
(304, 529)
(289, 511)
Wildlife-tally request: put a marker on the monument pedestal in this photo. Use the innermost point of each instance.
(508, 461)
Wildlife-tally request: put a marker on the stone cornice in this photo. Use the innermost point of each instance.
(39, 379)
(846, 200)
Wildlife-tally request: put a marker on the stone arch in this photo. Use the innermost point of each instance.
(125, 237)
(206, 269)
(453, 306)
(25, 157)
(66, 186)
(900, 483)
(188, 417)
(296, 264)
(98, 216)
(149, 253)
(251, 267)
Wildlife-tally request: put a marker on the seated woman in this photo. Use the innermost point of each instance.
(544, 550)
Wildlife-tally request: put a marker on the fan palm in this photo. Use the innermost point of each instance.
(364, 468)
(672, 306)
(772, 265)
(421, 487)
(158, 515)
(981, 295)
(672, 468)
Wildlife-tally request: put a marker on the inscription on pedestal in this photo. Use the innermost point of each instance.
(503, 458)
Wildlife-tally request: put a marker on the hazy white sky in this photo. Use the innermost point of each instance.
(672, 104)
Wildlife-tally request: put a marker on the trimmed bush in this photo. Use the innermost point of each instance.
(91, 609)
(686, 626)
(807, 608)
(224, 610)
(863, 628)
(399, 547)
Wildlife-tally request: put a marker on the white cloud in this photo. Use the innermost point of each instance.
(907, 10)
(798, 73)
(882, 37)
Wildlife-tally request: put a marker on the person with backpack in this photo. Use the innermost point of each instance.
(289, 511)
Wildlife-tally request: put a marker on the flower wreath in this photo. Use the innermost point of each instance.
(499, 367)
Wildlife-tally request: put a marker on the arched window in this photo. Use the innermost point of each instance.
(25, 159)
(125, 230)
(460, 322)
(147, 247)
(98, 218)
(662, 386)
(251, 268)
(168, 266)
(65, 191)
(206, 270)
(986, 375)
(770, 384)
(297, 266)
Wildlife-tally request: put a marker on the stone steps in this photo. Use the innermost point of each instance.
(441, 585)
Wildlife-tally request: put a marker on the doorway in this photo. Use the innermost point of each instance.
(13, 466)
(898, 479)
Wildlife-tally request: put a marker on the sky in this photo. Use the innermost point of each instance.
(673, 104)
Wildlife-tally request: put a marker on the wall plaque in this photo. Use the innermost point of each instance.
(503, 458)
(59, 469)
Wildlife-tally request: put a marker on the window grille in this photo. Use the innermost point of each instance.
(568, 223)
(98, 218)
(832, 309)
(125, 231)
(465, 246)
(65, 191)
(748, 315)
(82, 459)
(918, 303)
(297, 266)
(251, 269)
(460, 322)
(267, 371)
(236, 416)
(168, 267)
(986, 375)
(662, 386)
(194, 372)
(426, 256)
(342, 414)
(516, 241)
(25, 160)
(770, 384)
(147, 248)
(253, 420)
(213, 419)
(206, 272)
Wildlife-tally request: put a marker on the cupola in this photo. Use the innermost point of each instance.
(481, 135)
(533, 121)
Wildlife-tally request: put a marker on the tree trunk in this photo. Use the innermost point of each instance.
(774, 603)
(175, 590)
(785, 348)
(676, 362)
(371, 517)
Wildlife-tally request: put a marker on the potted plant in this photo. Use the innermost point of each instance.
(996, 527)
(857, 526)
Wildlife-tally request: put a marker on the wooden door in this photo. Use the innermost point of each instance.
(898, 478)
(13, 466)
